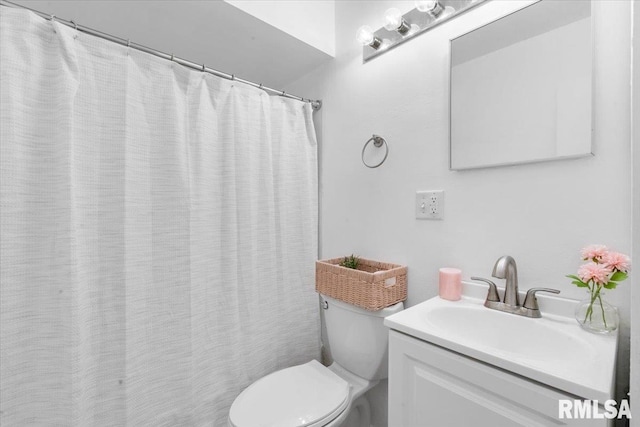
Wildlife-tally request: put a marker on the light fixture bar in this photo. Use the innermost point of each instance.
(433, 14)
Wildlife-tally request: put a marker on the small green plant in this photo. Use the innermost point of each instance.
(350, 262)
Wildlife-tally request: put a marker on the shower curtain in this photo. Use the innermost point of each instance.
(158, 234)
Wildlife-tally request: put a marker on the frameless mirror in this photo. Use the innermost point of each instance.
(521, 87)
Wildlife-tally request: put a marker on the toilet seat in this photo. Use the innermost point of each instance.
(308, 395)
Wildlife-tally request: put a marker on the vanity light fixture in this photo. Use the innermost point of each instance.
(399, 27)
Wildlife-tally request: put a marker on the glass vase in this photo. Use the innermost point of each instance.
(596, 315)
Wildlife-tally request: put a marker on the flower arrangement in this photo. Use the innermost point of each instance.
(604, 270)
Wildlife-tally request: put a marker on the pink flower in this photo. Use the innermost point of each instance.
(617, 261)
(599, 273)
(594, 252)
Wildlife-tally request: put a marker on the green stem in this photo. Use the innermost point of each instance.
(594, 294)
(602, 308)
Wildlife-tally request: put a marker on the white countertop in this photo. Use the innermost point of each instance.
(553, 350)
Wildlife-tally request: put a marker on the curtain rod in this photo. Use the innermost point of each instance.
(315, 104)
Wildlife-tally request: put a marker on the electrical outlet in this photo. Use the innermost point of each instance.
(430, 204)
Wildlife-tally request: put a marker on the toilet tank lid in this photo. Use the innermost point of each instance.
(307, 395)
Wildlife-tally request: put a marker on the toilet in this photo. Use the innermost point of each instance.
(313, 395)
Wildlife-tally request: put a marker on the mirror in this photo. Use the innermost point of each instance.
(521, 87)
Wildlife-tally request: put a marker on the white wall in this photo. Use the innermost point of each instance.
(635, 289)
(312, 21)
(542, 214)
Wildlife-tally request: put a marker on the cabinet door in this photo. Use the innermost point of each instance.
(432, 386)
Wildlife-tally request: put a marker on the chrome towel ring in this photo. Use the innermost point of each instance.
(377, 142)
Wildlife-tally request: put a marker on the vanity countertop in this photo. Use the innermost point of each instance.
(553, 350)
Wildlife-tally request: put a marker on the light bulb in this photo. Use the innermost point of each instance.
(392, 19)
(365, 35)
(432, 7)
(425, 5)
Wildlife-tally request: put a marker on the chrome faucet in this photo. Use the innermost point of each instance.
(505, 268)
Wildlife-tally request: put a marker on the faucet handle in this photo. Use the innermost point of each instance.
(531, 302)
(492, 296)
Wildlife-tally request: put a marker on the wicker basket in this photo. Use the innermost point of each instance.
(373, 286)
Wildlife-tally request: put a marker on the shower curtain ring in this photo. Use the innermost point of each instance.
(128, 42)
(171, 57)
(52, 18)
(203, 67)
(233, 77)
(283, 93)
(75, 26)
(260, 87)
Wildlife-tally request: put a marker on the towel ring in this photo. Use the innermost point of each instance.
(377, 142)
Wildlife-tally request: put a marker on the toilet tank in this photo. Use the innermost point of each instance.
(358, 338)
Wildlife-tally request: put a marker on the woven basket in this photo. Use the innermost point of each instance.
(373, 286)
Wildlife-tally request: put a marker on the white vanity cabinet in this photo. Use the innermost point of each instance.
(433, 386)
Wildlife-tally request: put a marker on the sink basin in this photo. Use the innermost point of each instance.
(552, 350)
(506, 334)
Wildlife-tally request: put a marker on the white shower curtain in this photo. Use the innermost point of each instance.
(158, 234)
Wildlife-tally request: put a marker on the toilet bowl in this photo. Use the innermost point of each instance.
(313, 395)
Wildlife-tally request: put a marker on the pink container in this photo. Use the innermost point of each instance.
(450, 284)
